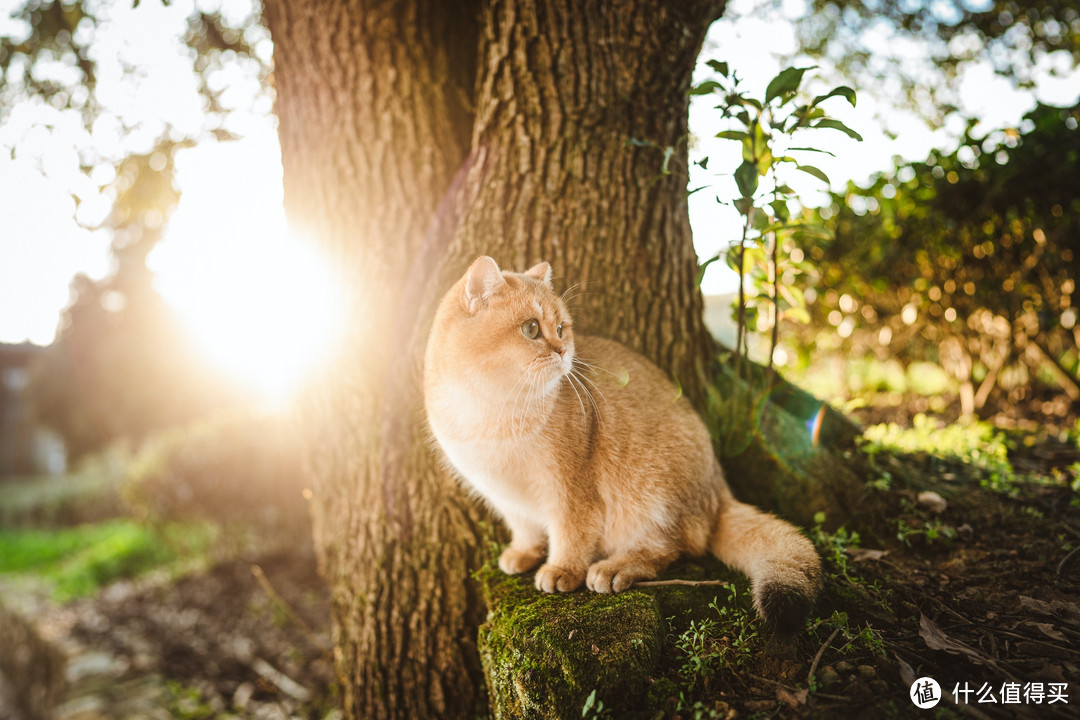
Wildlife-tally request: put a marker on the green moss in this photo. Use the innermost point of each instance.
(543, 655)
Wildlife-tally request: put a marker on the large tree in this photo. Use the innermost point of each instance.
(415, 136)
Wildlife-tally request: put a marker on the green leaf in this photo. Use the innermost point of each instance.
(786, 82)
(749, 153)
(720, 67)
(765, 159)
(810, 149)
(842, 90)
(705, 266)
(731, 259)
(831, 124)
(755, 258)
(706, 87)
(811, 170)
(732, 135)
(744, 205)
(780, 210)
(746, 178)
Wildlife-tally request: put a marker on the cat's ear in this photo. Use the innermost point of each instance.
(540, 271)
(482, 280)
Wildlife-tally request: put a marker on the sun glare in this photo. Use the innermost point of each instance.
(260, 303)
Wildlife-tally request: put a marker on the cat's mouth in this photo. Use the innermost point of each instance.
(551, 369)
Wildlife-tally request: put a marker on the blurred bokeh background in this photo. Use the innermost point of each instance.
(158, 319)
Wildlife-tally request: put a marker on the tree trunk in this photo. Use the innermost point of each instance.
(564, 89)
(403, 176)
(374, 121)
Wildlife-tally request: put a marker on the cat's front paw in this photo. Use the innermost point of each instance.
(514, 561)
(552, 578)
(608, 577)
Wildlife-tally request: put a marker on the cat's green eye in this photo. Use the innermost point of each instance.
(558, 330)
(530, 329)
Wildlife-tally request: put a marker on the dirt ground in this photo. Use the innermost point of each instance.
(989, 608)
(988, 605)
(247, 638)
(993, 610)
(243, 635)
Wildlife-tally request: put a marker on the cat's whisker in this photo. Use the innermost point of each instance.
(596, 408)
(521, 398)
(520, 385)
(589, 380)
(595, 368)
(570, 289)
(569, 295)
(570, 379)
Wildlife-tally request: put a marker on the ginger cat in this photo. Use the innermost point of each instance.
(588, 453)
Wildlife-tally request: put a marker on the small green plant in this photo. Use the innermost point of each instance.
(594, 707)
(835, 545)
(774, 133)
(186, 703)
(709, 645)
(856, 639)
(931, 531)
(836, 548)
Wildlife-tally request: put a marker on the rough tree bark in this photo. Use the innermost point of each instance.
(374, 121)
(416, 136)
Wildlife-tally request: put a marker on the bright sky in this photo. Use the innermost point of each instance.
(227, 259)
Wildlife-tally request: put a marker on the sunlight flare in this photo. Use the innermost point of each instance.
(259, 302)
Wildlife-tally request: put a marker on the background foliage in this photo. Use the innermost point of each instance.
(968, 259)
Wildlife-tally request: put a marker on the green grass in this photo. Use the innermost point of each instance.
(77, 561)
(977, 444)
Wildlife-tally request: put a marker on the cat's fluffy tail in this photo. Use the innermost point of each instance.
(783, 566)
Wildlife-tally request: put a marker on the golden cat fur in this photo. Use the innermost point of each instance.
(588, 453)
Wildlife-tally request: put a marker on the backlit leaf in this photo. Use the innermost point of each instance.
(706, 87)
(842, 90)
(811, 170)
(786, 82)
(832, 124)
(746, 178)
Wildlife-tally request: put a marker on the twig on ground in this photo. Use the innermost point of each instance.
(280, 680)
(690, 583)
(264, 582)
(819, 695)
(1067, 560)
(820, 652)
